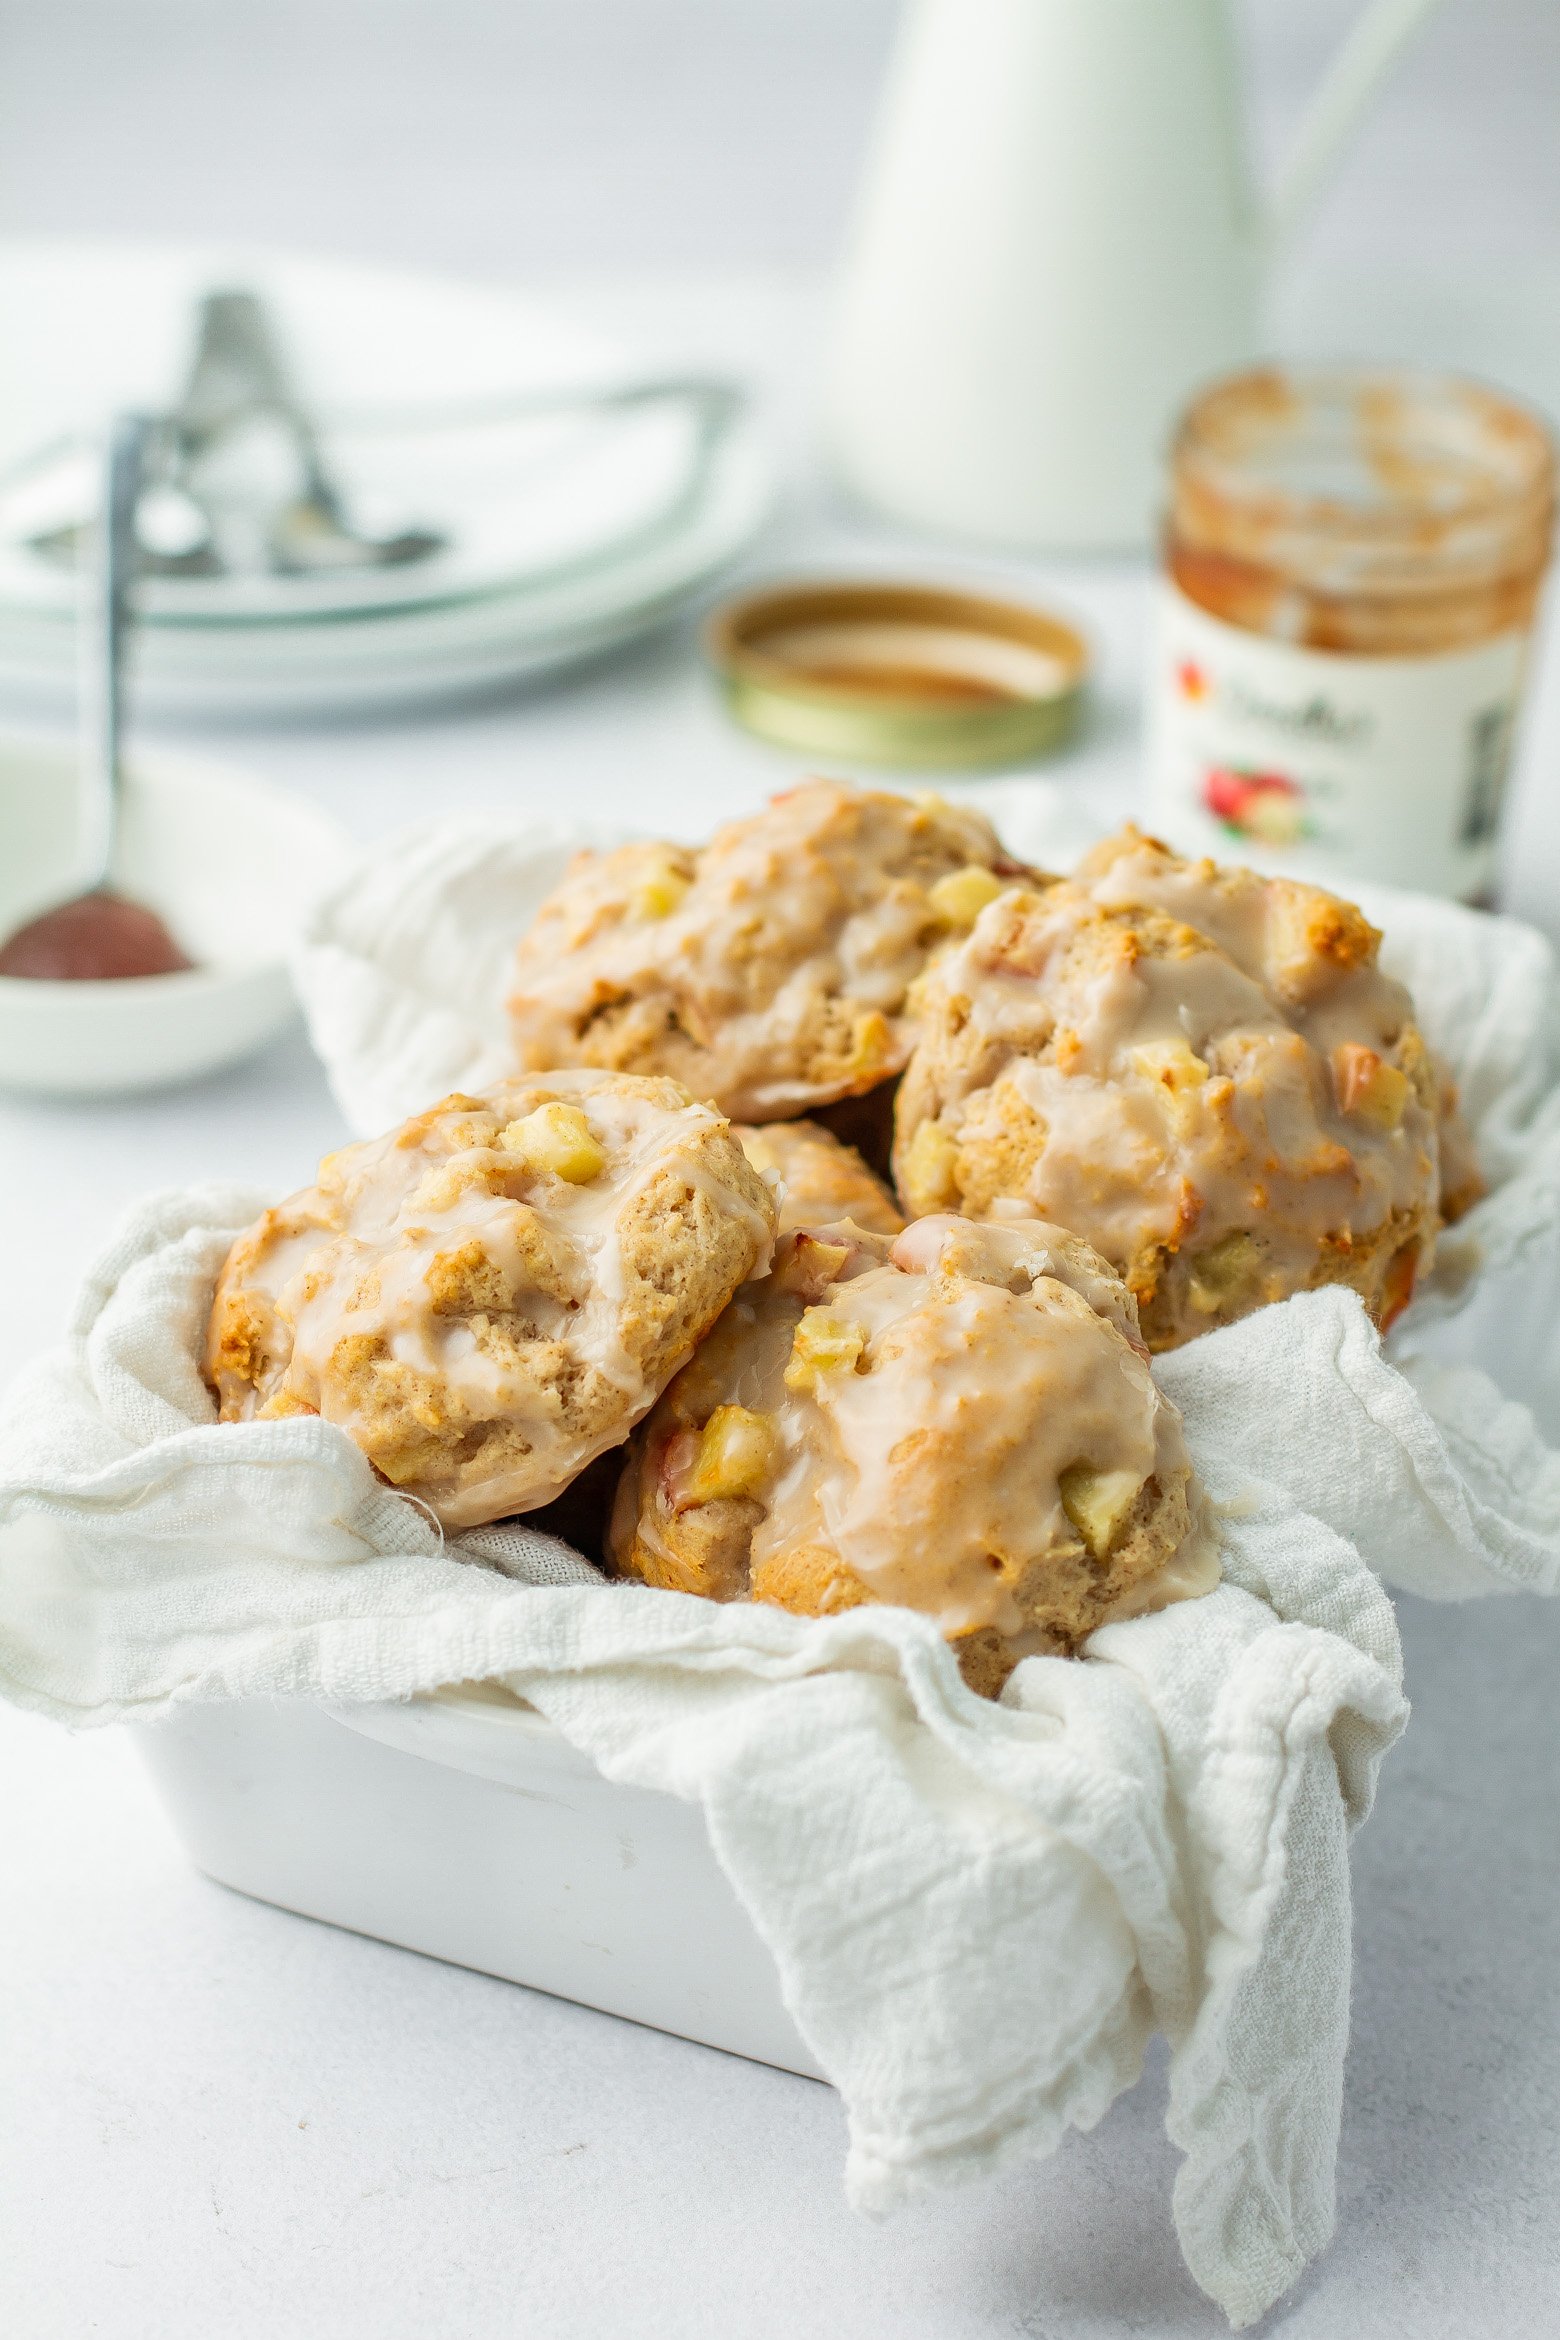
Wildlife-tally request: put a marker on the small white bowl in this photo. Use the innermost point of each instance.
(231, 865)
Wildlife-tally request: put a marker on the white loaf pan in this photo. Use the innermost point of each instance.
(464, 1826)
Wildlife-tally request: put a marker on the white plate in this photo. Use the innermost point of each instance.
(584, 532)
(402, 660)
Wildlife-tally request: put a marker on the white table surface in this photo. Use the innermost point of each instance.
(220, 2121)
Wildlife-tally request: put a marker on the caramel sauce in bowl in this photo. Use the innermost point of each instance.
(210, 866)
(96, 938)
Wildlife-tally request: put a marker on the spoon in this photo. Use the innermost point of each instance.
(98, 934)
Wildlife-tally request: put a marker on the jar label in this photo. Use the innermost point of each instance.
(1328, 766)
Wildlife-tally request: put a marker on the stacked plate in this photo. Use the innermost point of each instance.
(563, 531)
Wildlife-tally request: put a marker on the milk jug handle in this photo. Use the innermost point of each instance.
(1351, 81)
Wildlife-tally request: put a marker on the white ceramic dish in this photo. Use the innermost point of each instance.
(462, 1825)
(233, 866)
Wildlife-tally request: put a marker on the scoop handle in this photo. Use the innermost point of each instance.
(105, 627)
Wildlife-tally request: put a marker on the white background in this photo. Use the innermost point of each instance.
(217, 2120)
(539, 136)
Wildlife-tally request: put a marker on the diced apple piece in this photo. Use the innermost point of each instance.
(961, 896)
(931, 1170)
(285, 1402)
(1402, 1275)
(660, 890)
(823, 1343)
(1368, 1087)
(440, 1189)
(675, 1468)
(1178, 1072)
(1097, 1502)
(1222, 1272)
(873, 1043)
(557, 1139)
(808, 1267)
(735, 1457)
(1173, 1063)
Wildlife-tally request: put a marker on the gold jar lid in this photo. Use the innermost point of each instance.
(905, 675)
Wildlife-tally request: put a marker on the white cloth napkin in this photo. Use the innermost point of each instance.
(978, 1912)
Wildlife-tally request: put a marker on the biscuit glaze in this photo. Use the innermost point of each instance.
(960, 1421)
(767, 970)
(1204, 1072)
(493, 1294)
(815, 1178)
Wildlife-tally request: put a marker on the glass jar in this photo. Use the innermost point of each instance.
(1352, 569)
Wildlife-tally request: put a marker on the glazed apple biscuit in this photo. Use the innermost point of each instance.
(1204, 1072)
(817, 1179)
(493, 1294)
(961, 1421)
(767, 970)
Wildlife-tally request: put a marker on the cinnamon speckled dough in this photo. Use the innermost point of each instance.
(960, 1421)
(817, 1179)
(768, 970)
(1203, 1071)
(494, 1293)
